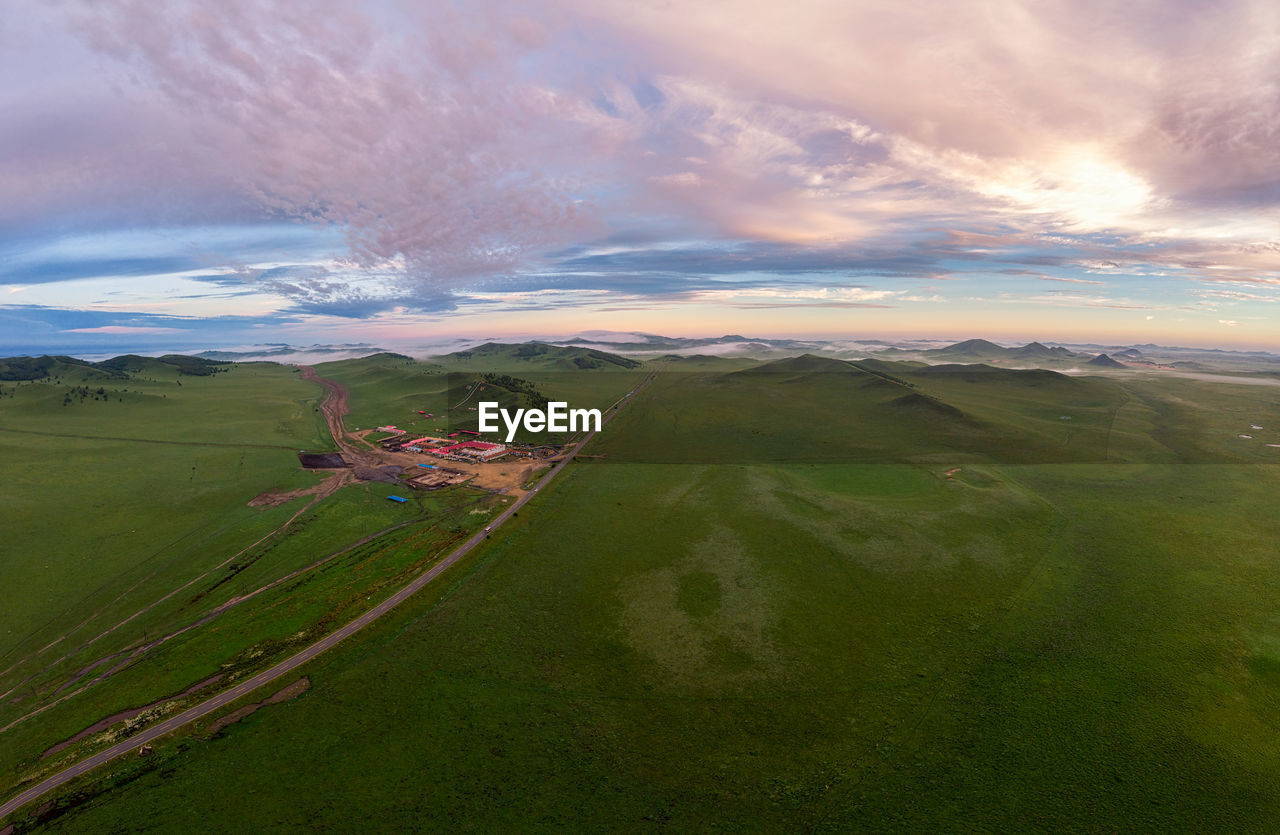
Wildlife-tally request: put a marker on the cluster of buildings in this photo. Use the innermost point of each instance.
(471, 450)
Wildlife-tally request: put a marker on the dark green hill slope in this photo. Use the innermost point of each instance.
(40, 368)
(990, 375)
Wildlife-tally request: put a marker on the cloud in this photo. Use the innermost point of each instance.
(122, 329)
(442, 155)
(1236, 296)
(425, 143)
(71, 269)
(819, 120)
(1070, 280)
(28, 328)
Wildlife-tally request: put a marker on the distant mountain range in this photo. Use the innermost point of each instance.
(968, 351)
(981, 349)
(282, 352)
(635, 342)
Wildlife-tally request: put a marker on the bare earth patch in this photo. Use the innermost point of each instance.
(274, 499)
(322, 489)
(507, 477)
(293, 691)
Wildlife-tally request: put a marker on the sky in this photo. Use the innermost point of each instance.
(193, 175)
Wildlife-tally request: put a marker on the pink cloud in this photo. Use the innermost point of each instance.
(422, 140)
(1064, 115)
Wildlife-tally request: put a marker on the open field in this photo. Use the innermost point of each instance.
(152, 553)
(112, 488)
(943, 635)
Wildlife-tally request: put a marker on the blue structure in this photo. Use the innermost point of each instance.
(397, 499)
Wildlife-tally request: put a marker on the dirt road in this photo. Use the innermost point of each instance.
(333, 407)
(292, 663)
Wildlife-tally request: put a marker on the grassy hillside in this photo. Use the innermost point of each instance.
(817, 409)
(71, 369)
(390, 389)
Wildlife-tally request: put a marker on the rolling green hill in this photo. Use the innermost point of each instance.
(46, 367)
(117, 368)
(811, 409)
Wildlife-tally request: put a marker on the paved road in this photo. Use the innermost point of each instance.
(290, 664)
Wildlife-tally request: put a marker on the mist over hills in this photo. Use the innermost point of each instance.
(1031, 354)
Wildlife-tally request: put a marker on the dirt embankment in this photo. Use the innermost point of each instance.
(293, 691)
(126, 715)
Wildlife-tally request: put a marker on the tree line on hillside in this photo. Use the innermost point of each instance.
(84, 392)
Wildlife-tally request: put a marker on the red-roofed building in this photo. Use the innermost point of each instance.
(472, 449)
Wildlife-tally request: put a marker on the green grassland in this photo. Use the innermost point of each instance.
(960, 612)
(102, 488)
(127, 521)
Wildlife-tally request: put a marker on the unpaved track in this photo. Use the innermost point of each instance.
(333, 407)
(292, 663)
(143, 440)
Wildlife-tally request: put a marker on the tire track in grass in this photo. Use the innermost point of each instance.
(144, 440)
